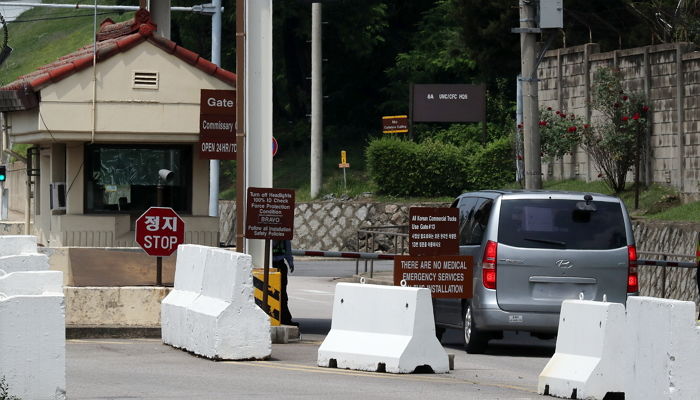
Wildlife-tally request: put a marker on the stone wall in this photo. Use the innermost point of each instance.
(329, 225)
(677, 238)
(669, 76)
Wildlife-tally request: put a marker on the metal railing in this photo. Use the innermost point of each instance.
(386, 238)
(664, 263)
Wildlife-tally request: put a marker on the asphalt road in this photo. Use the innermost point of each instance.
(147, 369)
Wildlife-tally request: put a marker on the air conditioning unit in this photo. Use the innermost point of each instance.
(58, 195)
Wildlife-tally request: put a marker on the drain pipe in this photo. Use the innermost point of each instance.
(94, 75)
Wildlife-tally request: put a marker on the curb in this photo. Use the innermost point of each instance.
(282, 334)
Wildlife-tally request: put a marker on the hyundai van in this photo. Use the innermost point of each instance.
(531, 251)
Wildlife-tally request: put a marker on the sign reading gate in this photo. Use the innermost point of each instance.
(159, 231)
(217, 124)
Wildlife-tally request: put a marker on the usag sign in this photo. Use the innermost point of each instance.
(270, 214)
(449, 103)
(217, 124)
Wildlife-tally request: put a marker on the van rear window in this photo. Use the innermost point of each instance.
(559, 224)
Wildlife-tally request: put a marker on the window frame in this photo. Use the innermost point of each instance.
(186, 166)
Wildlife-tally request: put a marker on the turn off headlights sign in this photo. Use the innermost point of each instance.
(270, 214)
(217, 124)
(449, 103)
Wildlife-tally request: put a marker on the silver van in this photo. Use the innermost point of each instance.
(531, 251)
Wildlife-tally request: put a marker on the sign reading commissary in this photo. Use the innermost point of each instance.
(217, 124)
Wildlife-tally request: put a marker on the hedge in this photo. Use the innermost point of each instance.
(432, 168)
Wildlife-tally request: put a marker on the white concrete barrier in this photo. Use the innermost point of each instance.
(589, 354)
(32, 334)
(211, 311)
(663, 346)
(382, 328)
(11, 245)
(24, 262)
(189, 277)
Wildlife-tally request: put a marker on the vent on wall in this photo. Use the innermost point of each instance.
(145, 80)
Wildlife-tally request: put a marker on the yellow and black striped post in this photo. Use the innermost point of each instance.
(274, 285)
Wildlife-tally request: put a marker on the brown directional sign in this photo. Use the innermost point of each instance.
(445, 276)
(432, 231)
(449, 103)
(395, 124)
(217, 124)
(270, 214)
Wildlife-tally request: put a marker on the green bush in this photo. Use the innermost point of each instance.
(404, 168)
(493, 166)
(432, 168)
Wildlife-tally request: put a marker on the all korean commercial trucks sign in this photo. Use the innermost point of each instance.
(434, 261)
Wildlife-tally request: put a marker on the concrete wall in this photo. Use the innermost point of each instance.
(668, 74)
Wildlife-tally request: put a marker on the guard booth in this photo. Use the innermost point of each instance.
(100, 134)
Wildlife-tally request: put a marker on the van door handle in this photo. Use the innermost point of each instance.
(562, 279)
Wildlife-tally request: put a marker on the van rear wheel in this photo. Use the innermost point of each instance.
(475, 340)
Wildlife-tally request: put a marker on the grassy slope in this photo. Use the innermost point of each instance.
(45, 39)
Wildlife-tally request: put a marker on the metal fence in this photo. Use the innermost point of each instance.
(665, 261)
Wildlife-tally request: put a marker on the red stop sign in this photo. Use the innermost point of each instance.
(159, 231)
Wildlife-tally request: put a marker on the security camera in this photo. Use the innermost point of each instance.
(166, 175)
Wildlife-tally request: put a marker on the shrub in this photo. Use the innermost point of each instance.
(433, 168)
(5, 391)
(560, 132)
(403, 168)
(617, 141)
(491, 167)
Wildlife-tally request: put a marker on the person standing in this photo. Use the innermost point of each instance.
(283, 260)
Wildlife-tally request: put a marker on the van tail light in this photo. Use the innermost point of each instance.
(488, 265)
(632, 277)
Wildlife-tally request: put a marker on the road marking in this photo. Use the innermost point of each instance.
(99, 341)
(369, 374)
(316, 291)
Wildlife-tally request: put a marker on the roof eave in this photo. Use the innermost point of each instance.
(18, 100)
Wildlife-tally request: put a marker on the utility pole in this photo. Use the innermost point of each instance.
(216, 59)
(528, 66)
(316, 101)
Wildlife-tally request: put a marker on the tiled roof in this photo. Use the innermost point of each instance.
(114, 38)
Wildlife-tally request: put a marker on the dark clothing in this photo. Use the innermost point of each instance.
(283, 260)
(697, 278)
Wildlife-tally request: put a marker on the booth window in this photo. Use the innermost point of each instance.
(124, 178)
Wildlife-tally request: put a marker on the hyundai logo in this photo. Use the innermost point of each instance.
(564, 264)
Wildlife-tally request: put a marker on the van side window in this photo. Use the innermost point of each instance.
(466, 213)
(480, 220)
